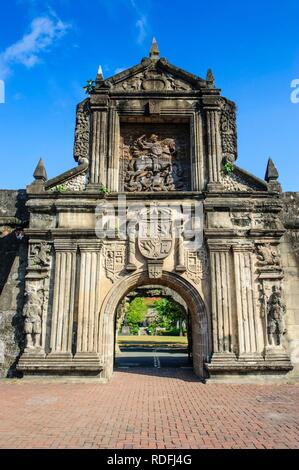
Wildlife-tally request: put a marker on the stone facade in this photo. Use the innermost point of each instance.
(151, 142)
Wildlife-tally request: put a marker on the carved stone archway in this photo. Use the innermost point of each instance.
(200, 325)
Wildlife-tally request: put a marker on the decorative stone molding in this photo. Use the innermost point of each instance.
(235, 182)
(82, 132)
(152, 80)
(78, 183)
(228, 130)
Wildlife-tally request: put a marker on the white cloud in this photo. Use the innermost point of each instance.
(44, 31)
(141, 27)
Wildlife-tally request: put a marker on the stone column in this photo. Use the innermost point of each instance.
(63, 298)
(113, 145)
(221, 302)
(197, 155)
(213, 142)
(249, 334)
(89, 298)
(99, 132)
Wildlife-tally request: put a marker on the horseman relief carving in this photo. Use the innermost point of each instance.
(152, 165)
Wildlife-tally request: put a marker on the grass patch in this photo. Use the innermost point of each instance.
(152, 340)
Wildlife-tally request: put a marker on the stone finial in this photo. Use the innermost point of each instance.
(271, 172)
(40, 174)
(271, 176)
(154, 50)
(210, 78)
(100, 73)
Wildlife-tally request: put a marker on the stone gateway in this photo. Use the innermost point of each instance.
(156, 199)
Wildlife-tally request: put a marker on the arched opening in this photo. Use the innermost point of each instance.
(153, 329)
(196, 306)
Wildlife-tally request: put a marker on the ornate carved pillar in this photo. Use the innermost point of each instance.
(37, 295)
(213, 142)
(89, 298)
(64, 298)
(221, 302)
(99, 123)
(113, 145)
(250, 333)
(197, 155)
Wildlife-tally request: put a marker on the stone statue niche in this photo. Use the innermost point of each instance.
(155, 159)
(33, 313)
(275, 321)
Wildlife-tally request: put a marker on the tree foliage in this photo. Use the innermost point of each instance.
(169, 313)
(136, 311)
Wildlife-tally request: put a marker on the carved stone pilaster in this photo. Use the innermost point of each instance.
(98, 170)
(113, 146)
(197, 153)
(250, 334)
(213, 144)
(223, 347)
(89, 298)
(64, 298)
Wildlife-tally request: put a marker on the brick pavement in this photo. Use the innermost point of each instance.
(153, 409)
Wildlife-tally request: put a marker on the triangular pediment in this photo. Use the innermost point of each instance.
(241, 180)
(157, 76)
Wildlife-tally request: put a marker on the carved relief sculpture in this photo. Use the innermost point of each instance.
(267, 255)
(275, 322)
(228, 130)
(152, 165)
(33, 313)
(196, 264)
(81, 146)
(40, 254)
(114, 260)
(152, 80)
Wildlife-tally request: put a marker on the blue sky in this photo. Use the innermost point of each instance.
(48, 49)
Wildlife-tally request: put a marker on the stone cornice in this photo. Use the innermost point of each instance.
(65, 245)
(90, 245)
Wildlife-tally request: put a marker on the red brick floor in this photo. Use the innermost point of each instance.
(148, 409)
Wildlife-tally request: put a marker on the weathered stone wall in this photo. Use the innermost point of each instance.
(13, 261)
(290, 261)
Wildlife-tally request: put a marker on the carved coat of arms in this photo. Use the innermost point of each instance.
(196, 264)
(155, 234)
(114, 260)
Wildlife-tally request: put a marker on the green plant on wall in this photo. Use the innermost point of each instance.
(103, 189)
(61, 188)
(89, 87)
(228, 168)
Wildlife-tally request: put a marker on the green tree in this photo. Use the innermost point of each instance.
(169, 314)
(136, 311)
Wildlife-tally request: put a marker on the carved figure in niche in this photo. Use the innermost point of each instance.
(152, 165)
(275, 312)
(41, 254)
(267, 255)
(32, 313)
